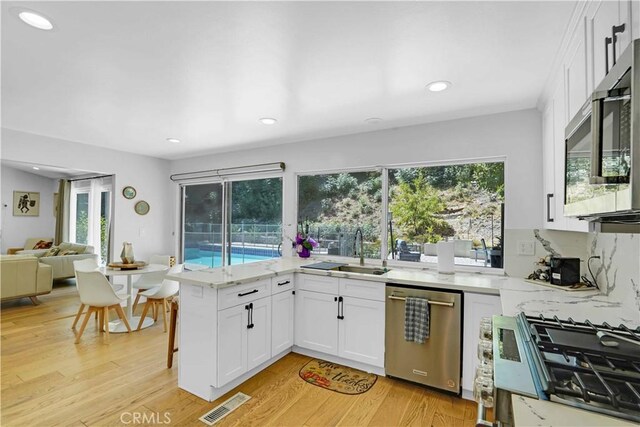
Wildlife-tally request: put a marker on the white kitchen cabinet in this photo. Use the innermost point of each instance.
(575, 67)
(348, 323)
(476, 306)
(554, 122)
(282, 312)
(244, 338)
(548, 167)
(316, 321)
(259, 335)
(232, 338)
(601, 16)
(361, 330)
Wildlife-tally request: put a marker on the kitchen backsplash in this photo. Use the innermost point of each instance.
(617, 271)
(546, 242)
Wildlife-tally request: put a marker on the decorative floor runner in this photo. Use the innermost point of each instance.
(341, 379)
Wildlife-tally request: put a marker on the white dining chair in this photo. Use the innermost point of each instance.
(151, 280)
(96, 293)
(88, 264)
(160, 296)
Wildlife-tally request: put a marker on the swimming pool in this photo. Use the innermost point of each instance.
(213, 258)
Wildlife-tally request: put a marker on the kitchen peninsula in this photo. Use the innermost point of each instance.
(261, 294)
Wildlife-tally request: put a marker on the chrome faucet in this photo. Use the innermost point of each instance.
(355, 241)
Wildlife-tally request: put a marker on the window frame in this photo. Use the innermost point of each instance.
(384, 247)
(223, 180)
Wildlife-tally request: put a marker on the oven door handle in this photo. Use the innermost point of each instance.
(482, 417)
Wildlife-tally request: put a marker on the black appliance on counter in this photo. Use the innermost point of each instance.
(595, 367)
(564, 271)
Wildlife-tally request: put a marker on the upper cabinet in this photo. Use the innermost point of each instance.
(575, 74)
(588, 51)
(601, 17)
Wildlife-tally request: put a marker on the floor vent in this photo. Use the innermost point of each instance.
(224, 409)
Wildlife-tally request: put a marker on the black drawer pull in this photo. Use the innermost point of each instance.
(248, 293)
(286, 282)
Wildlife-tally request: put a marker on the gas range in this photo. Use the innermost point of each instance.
(595, 367)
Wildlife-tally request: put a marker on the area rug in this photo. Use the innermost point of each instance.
(338, 378)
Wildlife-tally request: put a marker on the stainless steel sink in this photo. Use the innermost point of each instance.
(362, 270)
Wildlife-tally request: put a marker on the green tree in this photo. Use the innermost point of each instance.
(415, 206)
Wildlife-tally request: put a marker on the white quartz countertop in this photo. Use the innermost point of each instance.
(221, 277)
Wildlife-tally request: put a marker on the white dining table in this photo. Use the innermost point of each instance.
(117, 326)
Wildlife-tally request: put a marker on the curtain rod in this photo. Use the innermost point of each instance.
(237, 170)
(87, 178)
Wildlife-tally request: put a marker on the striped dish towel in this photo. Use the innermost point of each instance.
(416, 320)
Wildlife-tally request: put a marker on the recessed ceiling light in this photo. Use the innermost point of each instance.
(373, 120)
(36, 168)
(173, 140)
(268, 121)
(35, 20)
(439, 86)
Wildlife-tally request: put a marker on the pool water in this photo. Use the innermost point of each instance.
(213, 259)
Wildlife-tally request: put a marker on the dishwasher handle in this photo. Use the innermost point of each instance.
(443, 303)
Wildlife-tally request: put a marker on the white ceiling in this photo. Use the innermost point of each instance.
(128, 75)
(47, 171)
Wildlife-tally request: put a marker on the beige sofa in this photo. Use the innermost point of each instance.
(61, 264)
(23, 276)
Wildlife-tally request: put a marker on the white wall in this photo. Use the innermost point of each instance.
(16, 229)
(514, 135)
(150, 234)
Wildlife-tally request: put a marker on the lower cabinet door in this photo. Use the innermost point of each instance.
(361, 331)
(316, 325)
(232, 340)
(282, 322)
(259, 334)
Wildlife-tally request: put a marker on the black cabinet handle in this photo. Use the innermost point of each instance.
(615, 30)
(340, 308)
(607, 42)
(250, 317)
(248, 293)
(549, 196)
(286, 282)
(246, 307)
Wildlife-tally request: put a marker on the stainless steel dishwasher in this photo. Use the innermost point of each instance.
(437, 362)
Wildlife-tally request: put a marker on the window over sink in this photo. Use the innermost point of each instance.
(404, 211)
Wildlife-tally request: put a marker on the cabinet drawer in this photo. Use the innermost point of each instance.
(281, 283)
(362, 289)
(324, 284)
(235, 295)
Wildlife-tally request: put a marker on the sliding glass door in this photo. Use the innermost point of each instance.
(232, 222)
(255, 220)
(202, 224)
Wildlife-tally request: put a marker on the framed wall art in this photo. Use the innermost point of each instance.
(26, 203)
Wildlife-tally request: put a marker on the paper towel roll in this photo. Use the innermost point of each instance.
(445, 257)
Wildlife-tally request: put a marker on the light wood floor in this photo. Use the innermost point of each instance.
(46, 380)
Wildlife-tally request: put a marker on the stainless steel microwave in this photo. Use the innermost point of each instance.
(602, 163)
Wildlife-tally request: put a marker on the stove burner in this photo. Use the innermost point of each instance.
(582, 372)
